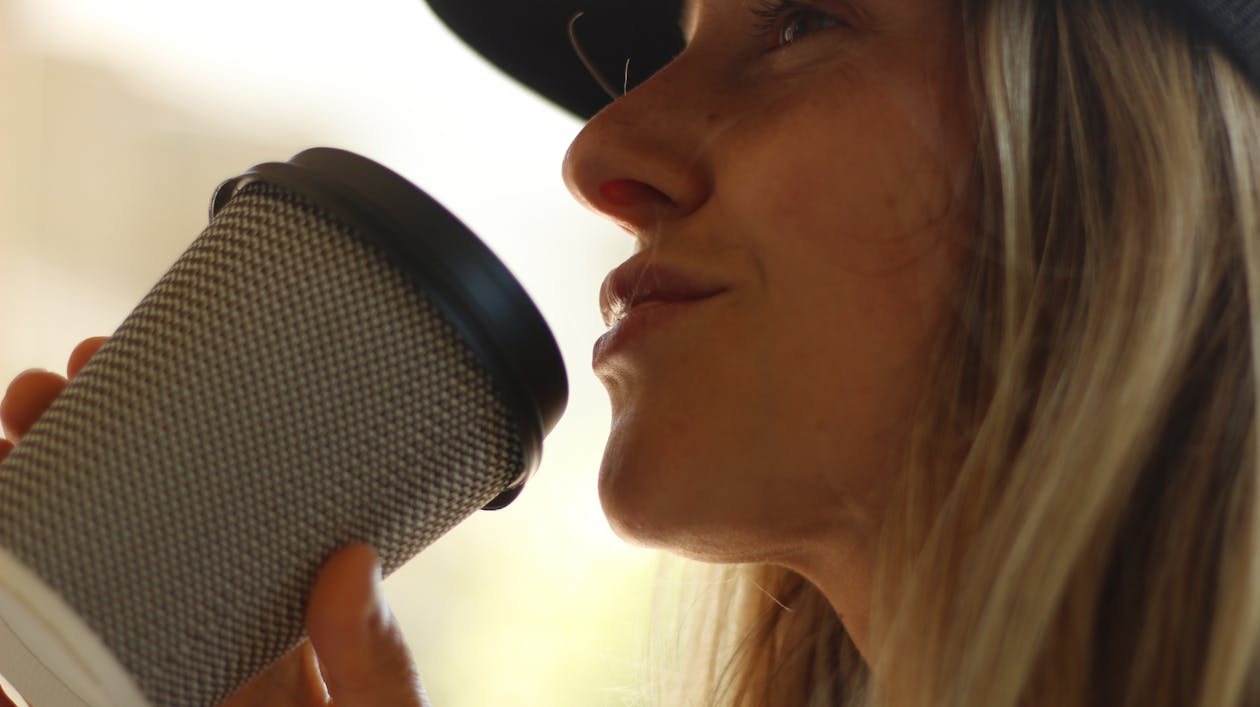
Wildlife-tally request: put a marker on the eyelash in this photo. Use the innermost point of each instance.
(771, 13)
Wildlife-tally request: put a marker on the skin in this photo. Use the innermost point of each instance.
(823, 183)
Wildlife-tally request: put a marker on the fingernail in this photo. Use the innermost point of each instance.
(376, 613)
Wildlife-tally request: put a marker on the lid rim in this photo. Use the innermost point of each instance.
(462, 277)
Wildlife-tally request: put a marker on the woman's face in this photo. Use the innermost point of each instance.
(797, 183)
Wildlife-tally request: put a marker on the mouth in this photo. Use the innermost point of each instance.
(638, 283)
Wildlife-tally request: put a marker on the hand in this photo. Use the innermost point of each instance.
(27, 397)
(30, 394)
(356, 655)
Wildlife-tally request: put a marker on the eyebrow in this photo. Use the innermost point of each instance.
(689, 8)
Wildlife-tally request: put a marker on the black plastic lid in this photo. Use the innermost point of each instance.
(529, 39)
(463, 278)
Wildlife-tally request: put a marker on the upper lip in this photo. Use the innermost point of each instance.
(638, 281)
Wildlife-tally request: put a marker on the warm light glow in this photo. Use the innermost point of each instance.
(118, 121)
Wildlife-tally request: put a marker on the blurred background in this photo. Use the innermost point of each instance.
(117, 121)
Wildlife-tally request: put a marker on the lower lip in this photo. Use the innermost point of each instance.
(639, 324)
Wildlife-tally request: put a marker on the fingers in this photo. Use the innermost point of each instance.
(79, 357)
(28, 396)
(362, 659)
(362, 654)
(294, 681)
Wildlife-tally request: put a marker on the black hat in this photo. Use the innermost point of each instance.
(530, 40)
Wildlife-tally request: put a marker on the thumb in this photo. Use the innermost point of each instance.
(362, 654)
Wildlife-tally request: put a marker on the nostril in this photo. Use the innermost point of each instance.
(628, 192)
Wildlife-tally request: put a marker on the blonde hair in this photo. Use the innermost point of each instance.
(1078, 523)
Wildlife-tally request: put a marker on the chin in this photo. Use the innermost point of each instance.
(670, 485)
(632, 501)
(661, 504)
(646, 503)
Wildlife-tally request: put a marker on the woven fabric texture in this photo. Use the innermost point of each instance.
(283, 391)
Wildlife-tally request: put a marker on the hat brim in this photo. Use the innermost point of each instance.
(529, 40)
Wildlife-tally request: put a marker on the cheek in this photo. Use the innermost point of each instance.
(800, 385)
(867, 211)
(859, 229)
(867, 184)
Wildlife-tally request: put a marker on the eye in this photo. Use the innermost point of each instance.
(782, 22)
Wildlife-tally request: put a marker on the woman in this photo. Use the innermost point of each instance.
(941, 333)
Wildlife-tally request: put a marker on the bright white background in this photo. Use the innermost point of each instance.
(119, 117)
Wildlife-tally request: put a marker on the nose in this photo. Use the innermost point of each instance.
(639, 162)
